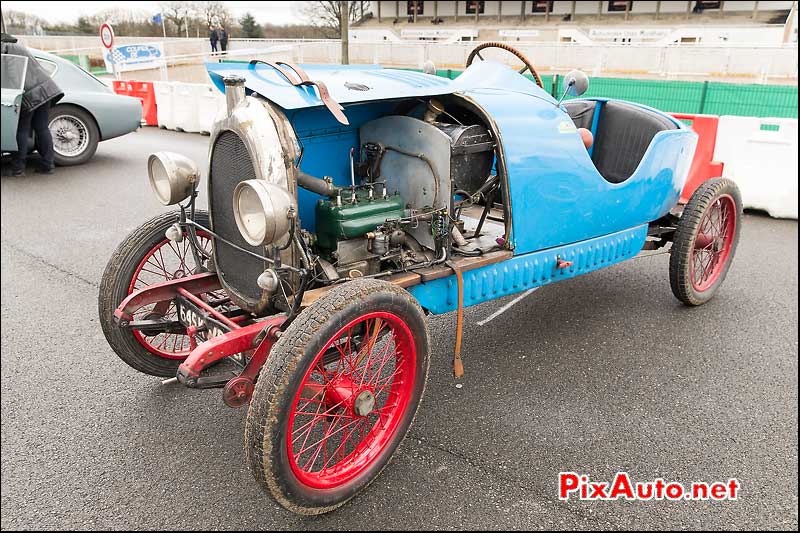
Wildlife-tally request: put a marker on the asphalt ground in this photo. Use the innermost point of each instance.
(603, 373)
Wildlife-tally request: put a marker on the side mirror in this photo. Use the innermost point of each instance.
(575, 84)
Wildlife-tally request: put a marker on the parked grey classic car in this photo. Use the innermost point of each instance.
(88, 113)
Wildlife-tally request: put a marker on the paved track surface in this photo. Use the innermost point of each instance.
(599, 374)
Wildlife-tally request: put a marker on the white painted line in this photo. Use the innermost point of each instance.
(506, 307)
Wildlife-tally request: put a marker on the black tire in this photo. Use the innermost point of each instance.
(278, 383)
(719, 194)
(114, 287)
(82, 121)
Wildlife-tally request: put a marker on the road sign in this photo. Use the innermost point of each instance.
(127, 57)
(107, 35)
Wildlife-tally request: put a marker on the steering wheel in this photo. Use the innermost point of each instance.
(503, 46)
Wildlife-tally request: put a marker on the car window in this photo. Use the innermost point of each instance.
(92, 76)
(13, 71)
(49, 66)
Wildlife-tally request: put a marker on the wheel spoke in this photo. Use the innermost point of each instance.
(156, 267)
(387, 356)
(360, 400)
(712, 244)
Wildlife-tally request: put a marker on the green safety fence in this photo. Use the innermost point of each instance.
(699, 97)
(706, 97)
(83, 62)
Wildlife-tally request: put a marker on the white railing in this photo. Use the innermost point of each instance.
(750, 63)
(732, 62)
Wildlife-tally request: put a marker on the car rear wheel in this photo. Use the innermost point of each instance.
(75, 135)
(337, 395)
(705, 241)
(146, 257)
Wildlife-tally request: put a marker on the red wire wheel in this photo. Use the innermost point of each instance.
(146, 257)
(705, 241)
(349, 406)
(712, 245)
(166, 261)
(337, 395)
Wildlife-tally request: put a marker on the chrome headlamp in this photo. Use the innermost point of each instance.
(173, 176)
(263, 211)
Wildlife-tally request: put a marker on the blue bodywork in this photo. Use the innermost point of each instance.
(561, 207)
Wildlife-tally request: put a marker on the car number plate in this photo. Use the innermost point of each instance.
(190, 314)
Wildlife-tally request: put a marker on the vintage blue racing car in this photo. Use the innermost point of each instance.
(346, 203)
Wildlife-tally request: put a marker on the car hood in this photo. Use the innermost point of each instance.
(346, 84)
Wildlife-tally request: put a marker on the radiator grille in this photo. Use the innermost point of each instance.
(231, 164)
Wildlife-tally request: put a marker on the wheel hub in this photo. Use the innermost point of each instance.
(66, 135)
(343, 392)
(364, 403)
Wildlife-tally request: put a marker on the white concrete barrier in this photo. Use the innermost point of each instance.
(760, 155)
(164, 104)
(211, 103)
(189, 107)
(186, 106)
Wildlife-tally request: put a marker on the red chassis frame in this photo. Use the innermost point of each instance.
(258, 336)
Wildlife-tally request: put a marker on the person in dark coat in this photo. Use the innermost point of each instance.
(223, 38)
(213, 36)
(40, 92)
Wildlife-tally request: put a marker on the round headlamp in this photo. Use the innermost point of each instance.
(262, 211)
(173, 176)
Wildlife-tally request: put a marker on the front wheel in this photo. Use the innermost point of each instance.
(337, 395)
(705, 241)
(144, 258)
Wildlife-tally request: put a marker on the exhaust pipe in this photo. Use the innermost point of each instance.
(234, 92)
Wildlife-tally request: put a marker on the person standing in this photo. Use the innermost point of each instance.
(213, 36)
(223, 38)
(40, 92)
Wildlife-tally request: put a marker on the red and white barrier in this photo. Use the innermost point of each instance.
(143, 90)
(760, 155)
(704, 167)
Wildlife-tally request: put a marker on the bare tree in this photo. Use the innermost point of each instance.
(20, 22)
(126, 21)
(177, 13)
(213, 13)
(326, 14)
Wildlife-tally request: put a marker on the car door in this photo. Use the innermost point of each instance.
(13, 83)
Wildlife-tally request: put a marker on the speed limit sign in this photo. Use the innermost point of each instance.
(107, 35)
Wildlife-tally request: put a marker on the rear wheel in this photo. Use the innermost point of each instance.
(337, 395)
(75, 135)
(705, 241)
(146, 257)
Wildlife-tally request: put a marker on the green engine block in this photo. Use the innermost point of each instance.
(351, 220)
